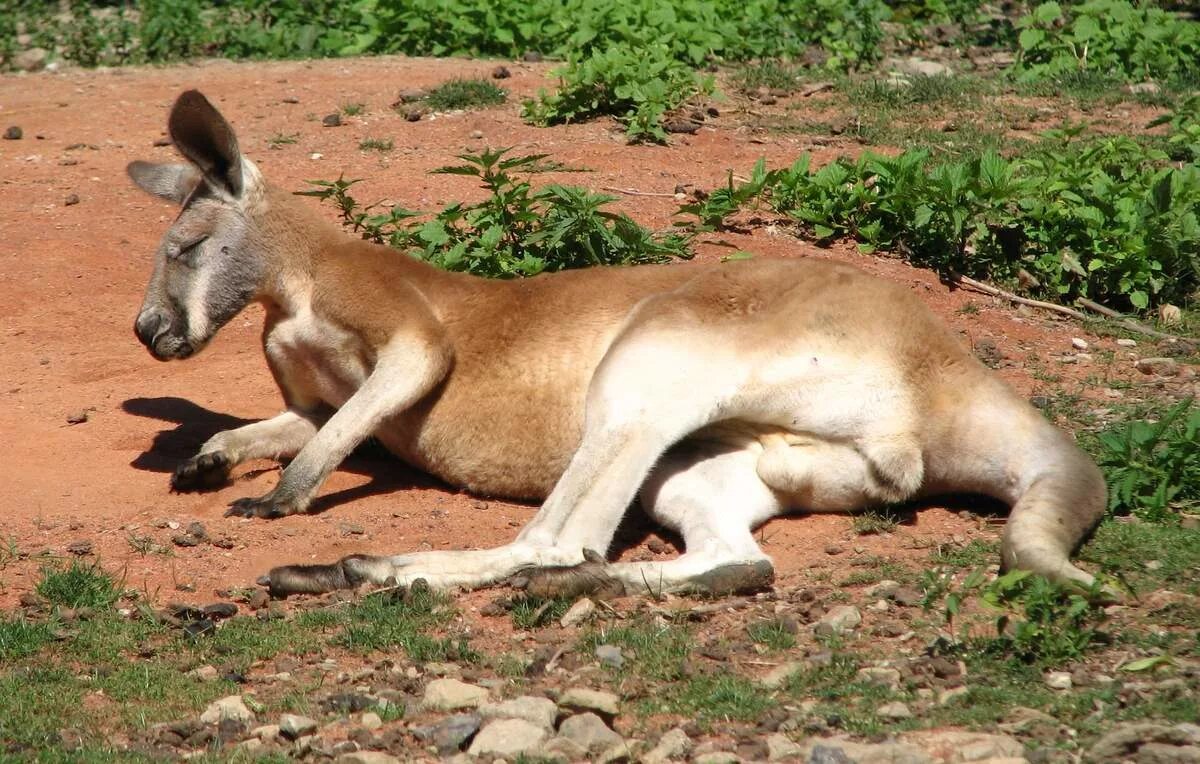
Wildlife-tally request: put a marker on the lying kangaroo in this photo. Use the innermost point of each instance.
(721, 394)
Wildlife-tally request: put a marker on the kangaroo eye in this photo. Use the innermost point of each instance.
(185, 253)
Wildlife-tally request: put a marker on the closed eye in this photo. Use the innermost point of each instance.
(186, 252)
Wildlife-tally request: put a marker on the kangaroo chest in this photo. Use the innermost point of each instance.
(314, 361)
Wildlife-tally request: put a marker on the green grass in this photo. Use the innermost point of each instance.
(770, 74)
(937, 90)
(381, 145)
(973, 554)
(1124, 548)
(875, 522)
(20, 638)
(532, 612)
(773, 633)
(353, 109)
(276, 141)
(465, 94)
(78, 585)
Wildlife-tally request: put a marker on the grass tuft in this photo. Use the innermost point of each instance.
(78, 585)
(465, 94)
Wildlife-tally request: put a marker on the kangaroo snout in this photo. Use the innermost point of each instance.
(153, 329)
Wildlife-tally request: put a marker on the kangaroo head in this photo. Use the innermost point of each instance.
(209, 264)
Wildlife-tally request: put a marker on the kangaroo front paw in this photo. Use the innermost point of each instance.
(202, 471)
(268, 506)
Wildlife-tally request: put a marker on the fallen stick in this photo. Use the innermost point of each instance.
(1130, 324)
(635, 192)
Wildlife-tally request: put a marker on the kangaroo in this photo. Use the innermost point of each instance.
(720, 394)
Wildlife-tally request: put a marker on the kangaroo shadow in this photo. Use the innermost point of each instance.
(195, 424)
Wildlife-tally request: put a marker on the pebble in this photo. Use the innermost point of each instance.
(229, 707)
(332, 120)
(1058, 680)
(838, 620)
(205, 674)
(371, 721)
(13, 133)
(894, 711)
(70, 201)
(451, 733)
(1079, 343)
(367, 757)
(581, 611)
(476, 134)
(1125, 342)
(1164, 367)
(501, 73)
(779, 676)
(610, 656)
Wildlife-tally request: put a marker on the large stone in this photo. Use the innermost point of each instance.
(895, 710)
(539, 711)
(955, 746)
(451, 695)
(231, 707)
(880, 675)
(673, 745)
(838, 620)
(1142, 740)
(451, 734)
(589, 732)
(603, 703)
(508, 738)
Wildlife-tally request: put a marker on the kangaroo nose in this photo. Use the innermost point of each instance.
(147, 325)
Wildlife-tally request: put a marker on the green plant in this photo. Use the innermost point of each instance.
(279, 140)
(773, 633)
(515, 231)
(637, 85)
(353, 109)
(1153, 468)
(1184, 139)
(20, 637)
(1041, 621)
(712, 210)
(1136, 41)
(465, 94)
(874, 522)
(532, 613)
(78, 585)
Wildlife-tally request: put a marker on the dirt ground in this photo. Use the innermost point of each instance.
(71, 280)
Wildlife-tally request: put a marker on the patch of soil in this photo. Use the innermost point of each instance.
(71, 281)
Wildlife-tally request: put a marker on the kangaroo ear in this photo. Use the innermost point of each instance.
(203, 136)
(173, 182)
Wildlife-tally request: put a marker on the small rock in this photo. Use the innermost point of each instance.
(833, 549)
(70, 201)
(1125, 342)
(682, 126)
(332, 120)
(185, 540)
(351, 529)
(531, 56)
(259, 599)
(160, 142)
(880, 675)
(501, 73)
(1164, 367)
(621, 753)
(453, 732)
(451, 695)
(963, 746)
(230, 707)
(610, 656)
(77, 417)
(603, 703)
(410, 96)
(716, 757)
(1079, 343)
(205, 674)
(1058, 680)
(946, 697)
(1170, 315)
(907, 596)
(673, 745)
(838, 620)
(540, 711)
(367, 757)
(370, 721)
(508, 738)
(1148, 88)
(290, 99)
(882, 589)
(589, 732)
(476, 134)
(779, 676)
(268, 733)
(895, 710)
(293, 726)
(578, 613)
(80, 548)
(414, 115)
